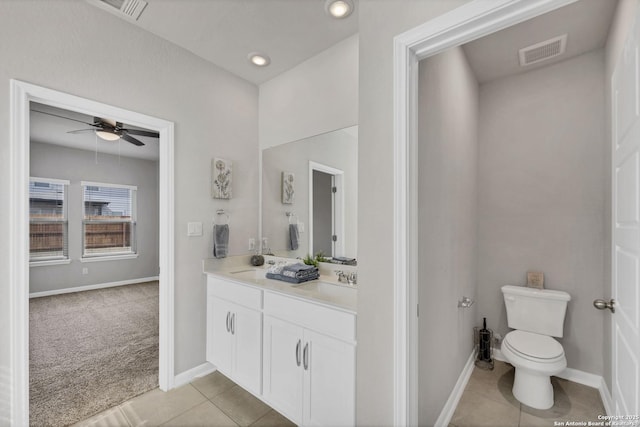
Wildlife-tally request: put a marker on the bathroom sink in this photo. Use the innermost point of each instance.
(329, 290)
(248, 273)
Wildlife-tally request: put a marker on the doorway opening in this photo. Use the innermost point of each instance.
(22, 95)
(456, 28)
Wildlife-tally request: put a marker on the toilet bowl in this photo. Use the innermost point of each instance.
(537, 315)
(536, 358)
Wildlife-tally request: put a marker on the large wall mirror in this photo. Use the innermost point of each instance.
(313, 184)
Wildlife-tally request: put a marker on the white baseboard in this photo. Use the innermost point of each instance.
(188, 376)
(452, 402)
(92, 287)
(580, 377)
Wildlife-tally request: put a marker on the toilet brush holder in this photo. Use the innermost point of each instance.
(482, 338)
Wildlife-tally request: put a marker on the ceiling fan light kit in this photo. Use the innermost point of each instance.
(107, 136)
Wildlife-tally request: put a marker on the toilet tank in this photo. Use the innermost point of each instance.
(536, 310)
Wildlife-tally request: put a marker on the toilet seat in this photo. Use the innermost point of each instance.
(534, 347)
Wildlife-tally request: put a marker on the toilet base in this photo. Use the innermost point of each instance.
(533, 389)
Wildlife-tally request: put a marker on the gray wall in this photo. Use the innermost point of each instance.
(447, 192)
(338, 149)
(53, 44)
(317, 96)
(620, 26)
(53, 161)
(379, 21)
(541, 194)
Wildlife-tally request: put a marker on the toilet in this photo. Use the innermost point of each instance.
(537, 315)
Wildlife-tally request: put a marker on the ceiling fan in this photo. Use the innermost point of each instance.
(110, 130)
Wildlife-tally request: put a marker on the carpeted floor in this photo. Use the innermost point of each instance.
(90, 351)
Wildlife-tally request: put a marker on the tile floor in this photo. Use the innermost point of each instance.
(487, 401)
(213, 400)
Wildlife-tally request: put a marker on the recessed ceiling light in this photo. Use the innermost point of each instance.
(259, 59)
(339, 8)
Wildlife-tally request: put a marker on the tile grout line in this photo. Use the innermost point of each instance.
(222, 410)
(267, 413)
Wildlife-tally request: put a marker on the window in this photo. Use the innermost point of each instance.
(109, 222)
(48, 239)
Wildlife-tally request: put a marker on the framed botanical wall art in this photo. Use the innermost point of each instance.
(288, 188)
(221, 178)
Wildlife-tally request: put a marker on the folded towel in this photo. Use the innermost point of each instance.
(294, 237)
(299, 267)
(220, 240)
(283, 278)
(300, 271)
(343, 260)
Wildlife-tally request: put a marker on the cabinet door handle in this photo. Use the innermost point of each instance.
(233, 324)
(305, 356)
(298, 353)
(228, 327)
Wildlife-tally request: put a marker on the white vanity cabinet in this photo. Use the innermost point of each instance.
(309, 361)
(234, 331)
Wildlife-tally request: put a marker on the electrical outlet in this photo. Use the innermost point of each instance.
(265, 243)
(85, 270)
(301, 227)
(252, 244)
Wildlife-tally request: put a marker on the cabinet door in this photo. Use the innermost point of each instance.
(329, 381)
(247, 337)
(282, 367)
(219, 338)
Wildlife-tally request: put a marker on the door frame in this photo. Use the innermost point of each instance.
(22, 94)
(471, 21)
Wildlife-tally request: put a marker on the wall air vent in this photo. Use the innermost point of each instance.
(130, 8)
(543, 51)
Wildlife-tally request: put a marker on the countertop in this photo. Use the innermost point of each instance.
(326, 290)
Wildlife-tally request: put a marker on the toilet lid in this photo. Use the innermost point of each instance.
(533, 345)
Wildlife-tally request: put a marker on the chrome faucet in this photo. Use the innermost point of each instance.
(349, 278)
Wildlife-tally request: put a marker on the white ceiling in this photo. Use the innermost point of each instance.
(224, 32)
(586, 22)
(49, 129)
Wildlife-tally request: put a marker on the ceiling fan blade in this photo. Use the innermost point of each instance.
(81, 131)
(63, 117)
(131, 139)
(142, 133)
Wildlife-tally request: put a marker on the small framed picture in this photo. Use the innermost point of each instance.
(535, 279)
(288, 188)
(221, 178)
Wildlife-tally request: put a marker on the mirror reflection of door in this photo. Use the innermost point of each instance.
(323, 209)
(326, 210)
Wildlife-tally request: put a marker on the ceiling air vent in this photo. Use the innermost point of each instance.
(131, 8)
(542, 51)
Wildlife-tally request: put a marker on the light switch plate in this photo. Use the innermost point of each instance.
(194, 229)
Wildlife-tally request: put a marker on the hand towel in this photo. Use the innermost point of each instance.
(294, 236)
(220, 240)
